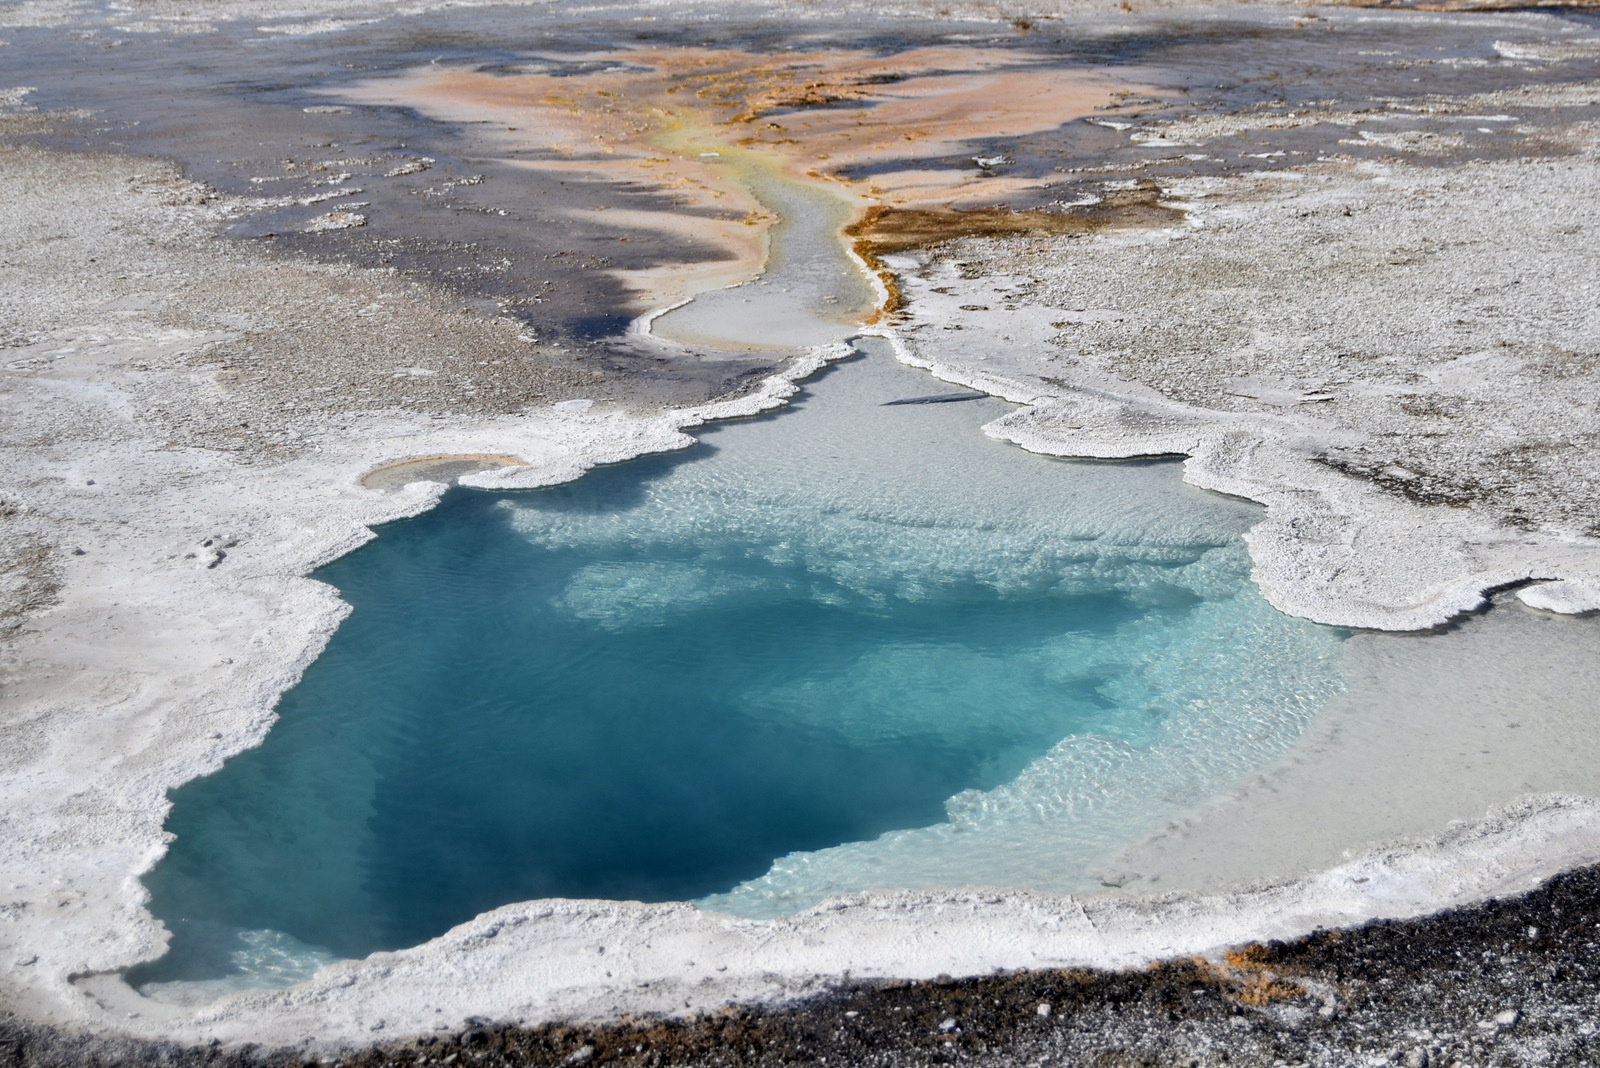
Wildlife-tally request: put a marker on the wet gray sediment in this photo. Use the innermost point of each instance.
(1507, 982)
(256, 115)
(246, 115)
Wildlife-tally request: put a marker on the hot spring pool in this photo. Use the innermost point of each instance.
(847, 645)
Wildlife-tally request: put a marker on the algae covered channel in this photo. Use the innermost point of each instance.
(528, 518)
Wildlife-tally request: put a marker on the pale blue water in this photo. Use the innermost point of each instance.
(848, 645)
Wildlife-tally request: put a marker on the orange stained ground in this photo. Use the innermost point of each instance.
(696, 121)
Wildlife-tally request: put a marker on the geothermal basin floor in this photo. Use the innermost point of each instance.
(210, 358)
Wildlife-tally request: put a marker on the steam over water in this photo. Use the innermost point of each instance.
(850, 645)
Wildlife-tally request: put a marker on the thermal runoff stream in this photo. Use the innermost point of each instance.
(851, 644)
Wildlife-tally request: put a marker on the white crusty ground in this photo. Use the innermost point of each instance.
(135, 666)
(1401, 362)
(184, 438)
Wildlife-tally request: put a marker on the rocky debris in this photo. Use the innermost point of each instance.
(336, 220)
(30, 578)
(1506, 983)
(212, 551)
(414, 166)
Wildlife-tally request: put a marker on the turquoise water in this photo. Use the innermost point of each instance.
(852, 644)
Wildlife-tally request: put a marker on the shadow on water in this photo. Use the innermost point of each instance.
(595, 327)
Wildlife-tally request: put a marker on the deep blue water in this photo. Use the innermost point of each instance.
(814, 629)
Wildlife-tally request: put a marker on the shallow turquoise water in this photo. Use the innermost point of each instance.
(848, 645)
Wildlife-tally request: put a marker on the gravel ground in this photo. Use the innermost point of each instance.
(1505, 983)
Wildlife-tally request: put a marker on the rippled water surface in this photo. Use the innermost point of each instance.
(853, 644)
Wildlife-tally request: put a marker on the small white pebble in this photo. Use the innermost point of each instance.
(1044, 1008)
